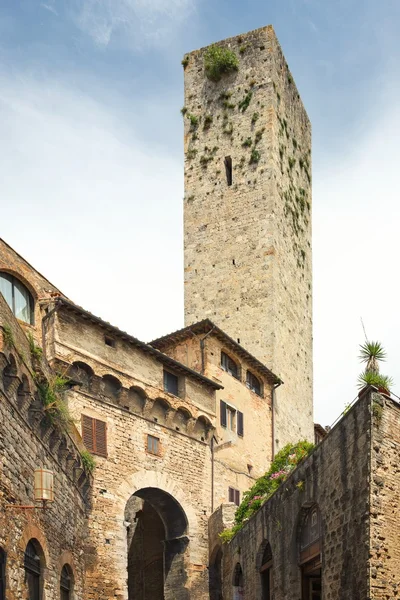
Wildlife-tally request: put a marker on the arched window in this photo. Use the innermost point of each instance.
(18, 298)
(310, 554)
(266, 573)
(2, 574)
(238, 589)
(253, 383)
(229, 365)
(66, 582)
(33, 570)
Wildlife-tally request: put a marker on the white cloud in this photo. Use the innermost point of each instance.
(91, 206)
(49, 7)
(137, 22)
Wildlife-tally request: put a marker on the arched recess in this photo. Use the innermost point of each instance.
(238, 583)
(10, 372)
(215, 574)
(157, 546)
(160, 410)
(202, 428)
(136, 399)
(310, 553)
(66, 582)
(34, 564)
(181, 419)
(266, 571)
(82, 372)
(111, 386)
(2, 574)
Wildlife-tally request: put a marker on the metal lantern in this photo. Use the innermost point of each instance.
(44, 485)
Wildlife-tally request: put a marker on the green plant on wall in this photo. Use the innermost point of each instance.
(219, 61)
(255, 156)
(88, 461)
(185, 62)
(283, 464)
(8, 335)
(51, 394)
(371, 354)
(244, 104)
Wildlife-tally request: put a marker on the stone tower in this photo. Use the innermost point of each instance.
(247, 213)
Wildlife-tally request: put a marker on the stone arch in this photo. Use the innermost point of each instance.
(159, 410)
(309, 547)
(111, 386)
(264, 567)
(181, 419)
(10, 371)
(238, 582)
(202, 428)
(136, 399)
(23, 392)
(33, 532)
(156, 545)
(215, 573)
(82, 372)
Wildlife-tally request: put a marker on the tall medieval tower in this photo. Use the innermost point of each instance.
(247, 213)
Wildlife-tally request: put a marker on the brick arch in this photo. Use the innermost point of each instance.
(153, 479)
(26, 282)
(33, 532)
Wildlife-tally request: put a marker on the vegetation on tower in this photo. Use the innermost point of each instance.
(371, 353)
(219, 61)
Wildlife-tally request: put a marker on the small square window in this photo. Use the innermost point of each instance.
(109, 341)
(171, 383)
(234, 496)
(153, 444)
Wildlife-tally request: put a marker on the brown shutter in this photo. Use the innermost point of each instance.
(237, 497)
(222, 406)
(87, 432)
(231, 494)
(100, 438)
(240, 429)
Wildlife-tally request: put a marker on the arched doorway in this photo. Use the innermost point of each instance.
(215, 575)
(33, 565)
(157, 545)
(266, 573)
(238, 583)
(311, 554)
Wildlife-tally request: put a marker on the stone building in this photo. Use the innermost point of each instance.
(181, 427)
(331, 530)
(247, 216)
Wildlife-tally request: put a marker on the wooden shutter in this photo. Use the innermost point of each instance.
(87, 432)
(237, 497)
(231, 495)
(94, 435)
(240, 429)
(222, 407)
(100, 438)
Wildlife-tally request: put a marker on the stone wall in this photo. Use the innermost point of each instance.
(248, 245)
(385, 500)
(28, 440)
(238, 460)
(336, 478)
(178, 478)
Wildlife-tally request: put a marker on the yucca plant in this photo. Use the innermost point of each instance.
(370, 378)
(371, 353)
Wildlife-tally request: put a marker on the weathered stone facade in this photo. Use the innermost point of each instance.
(248, 244)
(353, 478)
(238, 459)
(29, 440)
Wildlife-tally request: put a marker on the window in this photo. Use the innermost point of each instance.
(266, 573)
(2, 574)
(253, 383)
(94, 435)
(171, 383)
(33, 572)
(153, 444)
(228, 169)
(18, 298)
(234, 496)
(109, 341)
(229, 365)
(310, 554)
(66, 583)
(231, 418)
(238, 583)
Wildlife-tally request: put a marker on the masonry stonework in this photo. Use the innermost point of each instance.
(248, 245)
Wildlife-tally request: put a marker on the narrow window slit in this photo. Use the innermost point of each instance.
(228, 169)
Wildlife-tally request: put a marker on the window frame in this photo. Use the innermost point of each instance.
(150, 446)
(30, 299)
(236, 418)
(250, 379)
(235, 494)
(226, 365)
(33, 572)
(167, 374)
(92, 443)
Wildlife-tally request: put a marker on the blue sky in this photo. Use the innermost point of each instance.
(91, 157)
